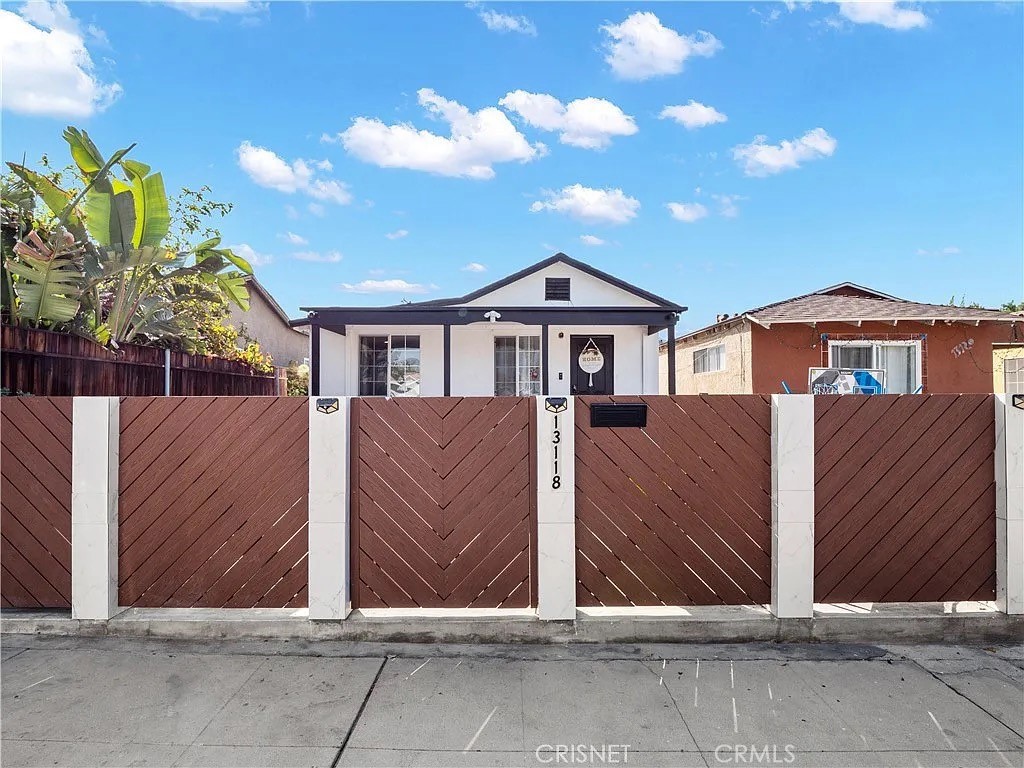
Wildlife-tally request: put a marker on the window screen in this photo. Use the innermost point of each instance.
(709, 359)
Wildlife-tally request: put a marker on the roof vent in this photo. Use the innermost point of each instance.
(556, 289)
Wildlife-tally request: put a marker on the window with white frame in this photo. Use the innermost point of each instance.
(1013, 375)
(389, 366)
(901, 361)
(517, 365)
(709, 359)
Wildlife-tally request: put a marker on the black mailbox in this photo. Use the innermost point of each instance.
(618, 415)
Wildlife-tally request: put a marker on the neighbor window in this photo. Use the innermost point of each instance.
(1013, 375)
(899, 360)
(709, 359)
(389, 366)
(517, 365)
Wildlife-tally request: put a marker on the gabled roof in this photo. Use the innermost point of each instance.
(852, 303)
(255, 285)
(558, 258)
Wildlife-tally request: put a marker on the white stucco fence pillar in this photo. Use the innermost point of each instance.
(556, 508)
(329, 575)
(793, 506)
(1009, 461)
(95, 443)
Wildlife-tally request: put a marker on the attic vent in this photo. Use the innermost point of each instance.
(556, 289)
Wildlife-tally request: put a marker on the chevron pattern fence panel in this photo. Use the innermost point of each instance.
(35, 500)
(214, 502)
(904, 498)
(679, 512)
(443, 498)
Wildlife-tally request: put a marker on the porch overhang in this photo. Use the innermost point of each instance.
(336, 319)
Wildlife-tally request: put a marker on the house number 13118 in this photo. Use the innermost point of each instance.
(556, 438)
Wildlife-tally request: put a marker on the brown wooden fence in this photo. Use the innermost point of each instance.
(904, 498)
(678, 513)
(443, 502)
(35, 465)
(214, 502)
(45, 363)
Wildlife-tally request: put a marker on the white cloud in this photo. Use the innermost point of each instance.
(393, 285)
(758, 158)
(592, 240)
(293, 238)
(267, 169)
(641, 47)
(502, 22)
(474, 266)
(255, 259)
(949, 250)
(693, 115)
(588, 123)
(47, 69)
(611, 206)
(330, 257)
(478, 140)
(887, 13)
(213, 9)
(688, 212)
(398, 234)
(317, 210)
(727, 205)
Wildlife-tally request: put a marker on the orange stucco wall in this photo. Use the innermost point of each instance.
(785, 352)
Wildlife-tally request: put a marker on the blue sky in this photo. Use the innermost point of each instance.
(891, 149)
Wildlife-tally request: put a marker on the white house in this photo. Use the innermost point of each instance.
(558, 327)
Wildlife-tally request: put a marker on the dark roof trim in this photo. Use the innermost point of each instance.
(654, 318)
(856, 286)
(558, 258)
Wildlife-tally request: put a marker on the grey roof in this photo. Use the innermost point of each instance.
(824, 306)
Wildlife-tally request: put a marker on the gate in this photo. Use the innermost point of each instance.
(443, 502)
(678, 512)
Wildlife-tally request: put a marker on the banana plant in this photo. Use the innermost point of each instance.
(119, 285)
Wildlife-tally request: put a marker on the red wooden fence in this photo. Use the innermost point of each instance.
(678, 513)
(443, 502)
(45, 363)
(214, 502)
(904, 498)
(35, 465)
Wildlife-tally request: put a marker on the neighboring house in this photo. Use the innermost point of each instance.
(558, 327)
(1008, 367)
(921, 347)
(267, 323)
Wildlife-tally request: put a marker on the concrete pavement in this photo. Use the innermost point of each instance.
(112, 701)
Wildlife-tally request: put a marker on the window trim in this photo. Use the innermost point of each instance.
(387, 380)
(722, 358)
(873, 343)
(518, 367)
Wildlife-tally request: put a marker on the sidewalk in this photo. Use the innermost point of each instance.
(115, 701)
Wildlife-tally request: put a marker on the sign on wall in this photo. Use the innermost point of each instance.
(846, 381)
(591, 360)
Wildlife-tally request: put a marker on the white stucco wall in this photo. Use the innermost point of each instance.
(472, 353)
(585, 291)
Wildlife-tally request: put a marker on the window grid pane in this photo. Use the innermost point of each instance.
(373, 365)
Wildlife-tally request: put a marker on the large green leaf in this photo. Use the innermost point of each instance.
(85, 154)
(48, 289)
(56, 199)
(110, 213)
(152, 215)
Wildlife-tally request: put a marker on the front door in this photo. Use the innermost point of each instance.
(591, 365)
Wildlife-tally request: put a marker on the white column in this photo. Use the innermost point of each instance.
(329, 596)
(94, 485)
(1009, 462)
(793, 506)
(556, 508)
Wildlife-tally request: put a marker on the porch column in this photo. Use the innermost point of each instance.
(447, 360)
(672, 358)
(328, 563)
(556, 509)
(314, 357)
(544, 386)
